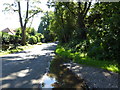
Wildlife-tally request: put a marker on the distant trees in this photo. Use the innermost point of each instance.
(44, 22)
(44, 27)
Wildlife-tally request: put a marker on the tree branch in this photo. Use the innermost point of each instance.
(20, 17)
(85, 6)
(87, 9)
(79, 5)
(70, 9)
(34, 14)
(26, 18)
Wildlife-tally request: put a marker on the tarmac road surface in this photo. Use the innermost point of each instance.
(25, 69)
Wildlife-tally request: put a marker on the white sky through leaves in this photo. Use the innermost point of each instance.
(11, 20)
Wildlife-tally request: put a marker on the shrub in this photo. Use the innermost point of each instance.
(32, 40)
(18, 39)
(27, 37)
(40, 35)
(15, 39)
(5, 47)
(31, 31)
(38, 38)
(19, 32)
(5, 38)
(64, 53)
(48, 36)
(12, 39)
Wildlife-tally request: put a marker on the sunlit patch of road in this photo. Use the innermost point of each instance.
(25, 69)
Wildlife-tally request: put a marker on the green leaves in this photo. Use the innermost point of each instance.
(32, 40)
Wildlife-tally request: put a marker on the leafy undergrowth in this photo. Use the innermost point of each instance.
(84, 59)
(17, 49)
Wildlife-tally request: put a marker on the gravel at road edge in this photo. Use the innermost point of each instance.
(94, 77)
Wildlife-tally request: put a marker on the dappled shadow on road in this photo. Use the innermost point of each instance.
(25, 73)
(50, 48)
(22, 52)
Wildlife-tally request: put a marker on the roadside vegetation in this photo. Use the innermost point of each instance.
(88, 33)
(12, 43)
(82, 58)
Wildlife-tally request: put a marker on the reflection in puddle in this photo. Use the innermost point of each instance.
(47, 81)
(61, 77)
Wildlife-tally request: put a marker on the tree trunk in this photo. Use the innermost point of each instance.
(23, 37)
(81, 24)
(23, 27)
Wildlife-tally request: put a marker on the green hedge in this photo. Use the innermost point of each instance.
(32, 40)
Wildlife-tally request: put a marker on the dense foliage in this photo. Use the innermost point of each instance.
(12, 41)
(105, 39)
(92, 31)
(80, 58)
(44, 27)
(32, 37)
(32, 40)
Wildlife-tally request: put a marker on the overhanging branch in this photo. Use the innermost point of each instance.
(34, 14)
(85, 6)
(87, 9)
(70, 9)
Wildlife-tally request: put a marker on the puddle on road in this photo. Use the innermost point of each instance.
(61, 77)
(47, 81)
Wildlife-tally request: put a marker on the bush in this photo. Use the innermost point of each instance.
(19, 32)
(5, 38)
(12, 39)
(27, 37)
(5, 47)
(31, 31)
(64, 53)
(48, 36)
(40, 35)
(32, 40)
(18, 39)
(15, 39)
(38, 38)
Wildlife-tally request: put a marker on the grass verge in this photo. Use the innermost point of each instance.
(18, 49)
(82, 59)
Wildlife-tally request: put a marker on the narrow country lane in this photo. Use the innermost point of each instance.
(25, 69)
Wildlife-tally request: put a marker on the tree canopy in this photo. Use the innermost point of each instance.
(90, 29)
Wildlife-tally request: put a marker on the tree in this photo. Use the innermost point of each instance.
(44, 27)
(16, 6)
(66, 26)
(45, 20)
(104, 31)
(80, 14)
(96, 31)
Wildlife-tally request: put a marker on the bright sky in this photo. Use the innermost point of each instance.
(11, 20)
